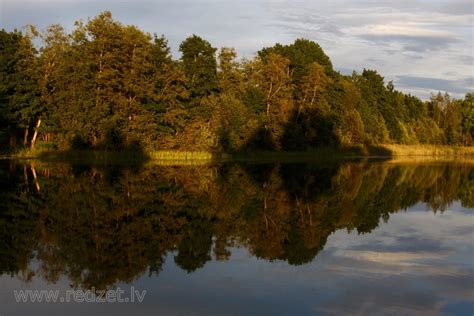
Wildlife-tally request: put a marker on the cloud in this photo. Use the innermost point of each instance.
(411, 43)
(463, 7)
(306, 24)
(458, 86)
(399, 38)
(411, 38)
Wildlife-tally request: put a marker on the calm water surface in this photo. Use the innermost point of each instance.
(360, 238)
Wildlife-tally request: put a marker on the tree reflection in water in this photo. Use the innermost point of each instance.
(102, 225)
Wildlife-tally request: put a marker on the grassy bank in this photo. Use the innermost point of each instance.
(323, 153)
(408, 152)
(430, 150)
(104, 157)
(84, 156)
(27, 153)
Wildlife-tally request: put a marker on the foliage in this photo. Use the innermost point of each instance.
(106, 85)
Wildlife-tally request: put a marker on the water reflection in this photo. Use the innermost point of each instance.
(99, 226)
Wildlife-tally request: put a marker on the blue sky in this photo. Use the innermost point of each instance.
(423, 46)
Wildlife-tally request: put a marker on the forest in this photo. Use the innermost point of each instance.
(110, 86)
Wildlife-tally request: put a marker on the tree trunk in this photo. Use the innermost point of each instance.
(25, 136)
(33, 140)
(12, 141)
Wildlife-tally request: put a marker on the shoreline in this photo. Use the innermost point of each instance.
(388, 151)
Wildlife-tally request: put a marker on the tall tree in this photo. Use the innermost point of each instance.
(55, 44)
(314, 84)
(169, 94)
(230, 75)
(200, 66)
(9, 58)
(466, 108)
(22, 91)
(373, 93)
(274, 81)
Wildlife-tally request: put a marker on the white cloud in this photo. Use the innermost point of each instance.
(400, 29)
(417, 38)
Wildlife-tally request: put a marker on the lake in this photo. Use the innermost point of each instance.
(352, 237)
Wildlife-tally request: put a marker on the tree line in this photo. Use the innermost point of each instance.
(106, 85)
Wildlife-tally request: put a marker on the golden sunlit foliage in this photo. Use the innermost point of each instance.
(110, 86)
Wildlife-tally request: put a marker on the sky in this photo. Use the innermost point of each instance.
(424, 46)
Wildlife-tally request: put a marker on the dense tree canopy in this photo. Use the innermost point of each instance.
(107, 85)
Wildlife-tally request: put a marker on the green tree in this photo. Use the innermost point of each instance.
(9, 58)
(302, 53)
(168, 96)
(373, 99)
(200, 66)
(55, 44)
(229, 74)
(466, 109)
(274, 81)
(19, 81)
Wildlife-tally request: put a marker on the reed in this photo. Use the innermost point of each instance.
(180, 155)
(430, 150)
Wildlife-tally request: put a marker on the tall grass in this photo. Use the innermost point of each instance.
(430, 150)
(25, 153)
(180, 155)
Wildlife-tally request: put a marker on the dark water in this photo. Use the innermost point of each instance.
(358, 238)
